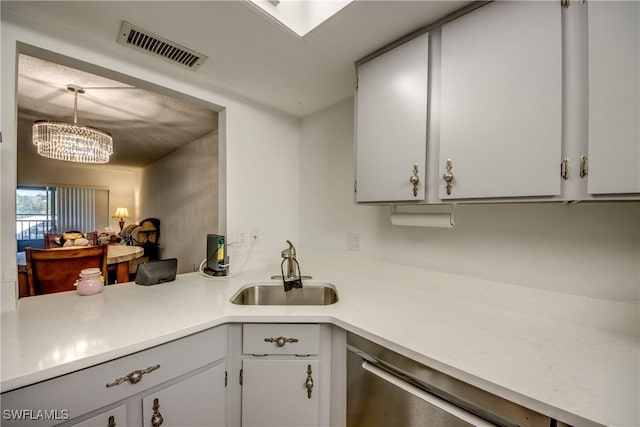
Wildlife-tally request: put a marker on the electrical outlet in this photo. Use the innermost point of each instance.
(243, 237)
(254, 237)
(353, 242)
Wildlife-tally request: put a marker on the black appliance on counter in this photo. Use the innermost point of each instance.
(217, 263)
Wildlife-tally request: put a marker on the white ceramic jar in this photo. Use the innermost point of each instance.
(90, 282)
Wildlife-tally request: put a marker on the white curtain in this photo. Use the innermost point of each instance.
(75, 209)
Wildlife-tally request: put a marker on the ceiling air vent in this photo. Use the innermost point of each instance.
(141, 39)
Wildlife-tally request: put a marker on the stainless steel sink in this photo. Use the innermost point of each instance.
(274, 294)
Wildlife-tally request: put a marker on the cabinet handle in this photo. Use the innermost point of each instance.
(584, 166)
(156, 418)
(133, 377)
(281, 341)
(415, 180)
(448, 176)
(309, 382)
(112, 421)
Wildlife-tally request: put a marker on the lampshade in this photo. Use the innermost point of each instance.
(121, 213)
(71, 142)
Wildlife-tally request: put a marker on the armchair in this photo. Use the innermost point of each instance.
(145, 235)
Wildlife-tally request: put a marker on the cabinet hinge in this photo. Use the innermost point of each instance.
(226, 379)
(240, 376)
(355, 186)
(564, 169)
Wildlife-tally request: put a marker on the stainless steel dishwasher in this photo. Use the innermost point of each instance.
(386, 389)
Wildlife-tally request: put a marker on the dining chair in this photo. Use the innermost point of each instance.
(56, 270)
(50, 239)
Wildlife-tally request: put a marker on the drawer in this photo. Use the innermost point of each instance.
(86, 390)
(300, 339)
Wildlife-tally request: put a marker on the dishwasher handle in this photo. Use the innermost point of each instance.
(426, 396)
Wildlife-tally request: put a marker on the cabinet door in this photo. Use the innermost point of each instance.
(116, 417)
(391, 123)
(197, 401)
(614, 97)
(501, 107)
(274, 393)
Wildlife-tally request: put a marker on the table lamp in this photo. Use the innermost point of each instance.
(121, 213)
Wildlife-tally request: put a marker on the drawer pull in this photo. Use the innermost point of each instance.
(309, 382)
(133, 377)
(281, 341)
(448, 177)
(584, 166)
(112, 421)
(156, 418)
(415, 180)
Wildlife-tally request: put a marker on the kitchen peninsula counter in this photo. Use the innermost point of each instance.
(579, 375)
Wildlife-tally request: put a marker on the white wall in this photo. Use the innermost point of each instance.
(582, 249)
(121, 182)
(259, 147)
(181, 190)
(276, 186)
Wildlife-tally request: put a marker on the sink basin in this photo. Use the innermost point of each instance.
(274, 294)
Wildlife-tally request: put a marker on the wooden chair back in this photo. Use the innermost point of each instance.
(56, 270)
(50, 239)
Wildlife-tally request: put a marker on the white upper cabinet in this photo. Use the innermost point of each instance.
(614, 97)
(391, 124)
(501, 102)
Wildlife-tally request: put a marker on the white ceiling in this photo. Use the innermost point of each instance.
(250, 54)
(145, 126)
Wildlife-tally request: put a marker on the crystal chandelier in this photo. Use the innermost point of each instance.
(71, 142)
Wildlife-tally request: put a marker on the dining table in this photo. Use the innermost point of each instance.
(118, 257)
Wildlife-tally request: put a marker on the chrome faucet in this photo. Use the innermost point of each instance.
(292, 279)
(289, 255)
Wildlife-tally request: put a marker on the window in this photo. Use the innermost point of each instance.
(41, 210)
(34, 212)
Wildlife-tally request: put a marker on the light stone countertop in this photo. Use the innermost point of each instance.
(579, 375)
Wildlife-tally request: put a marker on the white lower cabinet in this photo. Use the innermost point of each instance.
(280, 392)
(116, 417)
(230, 375)
(286, 375)
(187, 376)
(196, 401)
